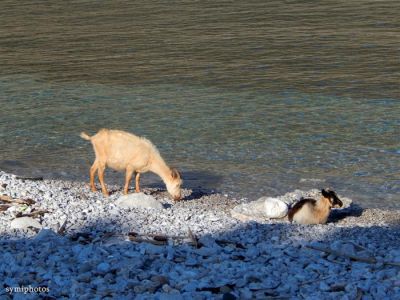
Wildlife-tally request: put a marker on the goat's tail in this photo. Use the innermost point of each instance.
(85, 136)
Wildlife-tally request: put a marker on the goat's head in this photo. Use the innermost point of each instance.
(174, 185)
(332, 198)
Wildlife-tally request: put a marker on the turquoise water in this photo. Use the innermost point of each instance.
(248, 98)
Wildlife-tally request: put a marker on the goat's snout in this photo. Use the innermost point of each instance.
(337, 203)
(177, 197)
(332, 197)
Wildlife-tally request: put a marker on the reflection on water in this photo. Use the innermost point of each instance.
(262, 97)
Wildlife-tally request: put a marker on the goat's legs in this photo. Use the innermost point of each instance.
(101, 169)
(93, 170)
(128, 177)
(137, 184)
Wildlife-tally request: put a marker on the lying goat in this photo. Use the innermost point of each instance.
(311, 211)
(120, 151)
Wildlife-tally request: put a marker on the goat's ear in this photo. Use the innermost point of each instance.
(175, 174)
(325, 193)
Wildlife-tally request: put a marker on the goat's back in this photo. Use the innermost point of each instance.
(309, 211)
(120, 149)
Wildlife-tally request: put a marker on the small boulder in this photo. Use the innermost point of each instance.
(252, 211)
(24, 223)
(263, 208)
(138, 200)
(274, 208)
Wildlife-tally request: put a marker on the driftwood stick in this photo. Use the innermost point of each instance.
(359, 247)
(39, 178)
(38, 213)
(61, 230)
(370, 260)
(193, 239)
(162, 239)
(334, 261)
(172, 237)
(359, 294)
(8, 199)
(339, 253)
(138, 239)
(32, 214)
(226, 242)
(390, 263)
(4, 207)
(315, 280)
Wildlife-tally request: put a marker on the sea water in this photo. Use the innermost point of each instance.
(252, 98)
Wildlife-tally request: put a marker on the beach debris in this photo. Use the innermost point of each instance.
(38, 178)
(62, 228)
(224, 243)
(8, 199)
(82, 237)
(162, 239)
(155, 240)
(4, 207)
(193, 239)
(352, 254)
(34, 213)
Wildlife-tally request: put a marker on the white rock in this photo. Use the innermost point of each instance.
(24, 222)
(265, 207)
(274, 208)
(138, 200)
(253, 211)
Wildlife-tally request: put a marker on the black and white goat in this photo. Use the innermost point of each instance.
(311, 211)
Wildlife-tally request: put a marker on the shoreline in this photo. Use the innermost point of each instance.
(214, 182)
(107, 251)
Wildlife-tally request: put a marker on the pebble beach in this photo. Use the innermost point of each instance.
(80, 244)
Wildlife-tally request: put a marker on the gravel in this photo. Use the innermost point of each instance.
(90, 248)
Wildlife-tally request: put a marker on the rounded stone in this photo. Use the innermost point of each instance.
(24, 223)
(103, 267)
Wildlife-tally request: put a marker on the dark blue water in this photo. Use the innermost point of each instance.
(251, 98)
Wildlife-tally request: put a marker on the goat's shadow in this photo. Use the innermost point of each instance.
(198, 193)
(354, 210)
(195, 194)
(201, 183)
